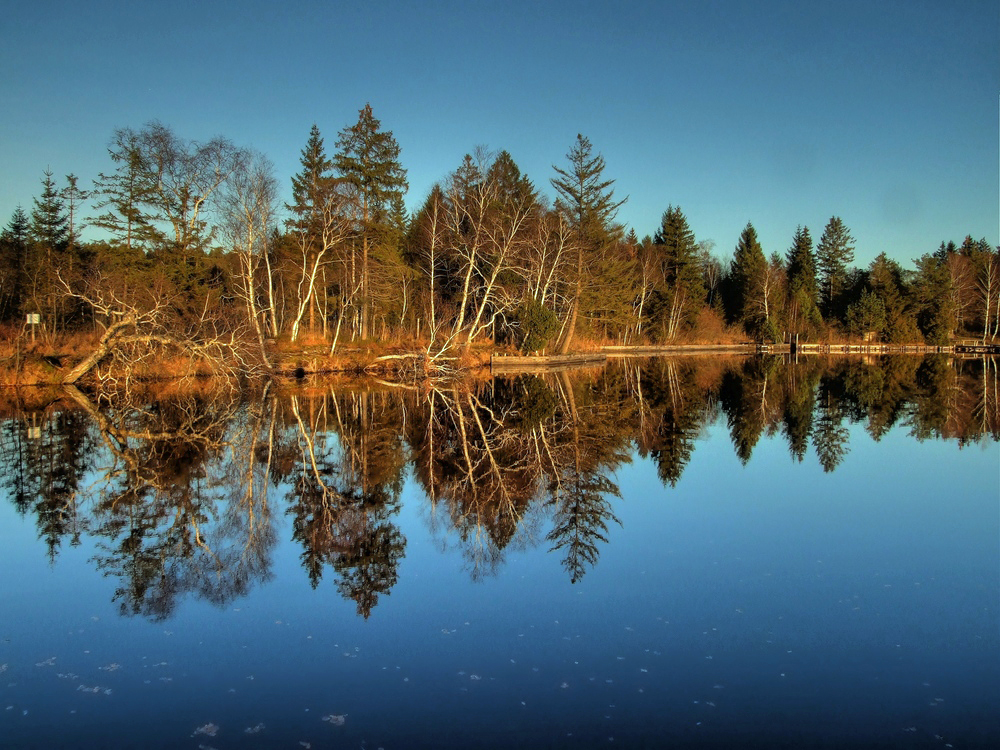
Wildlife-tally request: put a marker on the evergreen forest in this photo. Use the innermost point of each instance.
(199, 248)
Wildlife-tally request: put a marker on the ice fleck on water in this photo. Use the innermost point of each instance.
(47, 663)
(256, 729)
(336, 719)
(564, 685)
(475, 677)
(209, 729)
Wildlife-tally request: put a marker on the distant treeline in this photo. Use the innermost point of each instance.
(194, 245)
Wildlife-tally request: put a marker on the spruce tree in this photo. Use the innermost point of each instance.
(803, 293)
(933, 301)
(747, 273)
(49, 220)
(681, 292)
(885, 281)
(367, 158)
(125, 194)
(834, 254)
(313, 189)
(310, 185)
(587, 199)
(14, 246)
(73, 197)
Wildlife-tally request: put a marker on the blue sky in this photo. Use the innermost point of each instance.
(779, 113)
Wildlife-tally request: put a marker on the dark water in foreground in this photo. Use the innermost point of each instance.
(740, 553)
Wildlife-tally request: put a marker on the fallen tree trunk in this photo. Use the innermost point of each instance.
(104, 347)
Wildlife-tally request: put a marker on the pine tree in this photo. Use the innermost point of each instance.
(125, 194)
(316, 196)
(885, 281)
(73, 197)
(367, 158)
(681, 292)
(588, 202)
(747, 274)
(50, 235)
(803, 294)
(14, 247)
(933, 300)
(587, 197)
(834, 254)
(309, 186)
(49, 220)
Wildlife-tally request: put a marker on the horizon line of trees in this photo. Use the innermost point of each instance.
(196, 245)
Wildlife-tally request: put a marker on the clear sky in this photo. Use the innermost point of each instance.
(780, 113)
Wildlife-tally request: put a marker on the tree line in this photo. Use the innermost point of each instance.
(197, 242)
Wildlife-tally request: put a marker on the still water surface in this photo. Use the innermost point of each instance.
(740, 553)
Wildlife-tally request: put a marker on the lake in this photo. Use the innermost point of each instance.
(705, 552)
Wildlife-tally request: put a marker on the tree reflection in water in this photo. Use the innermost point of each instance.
(181, 489)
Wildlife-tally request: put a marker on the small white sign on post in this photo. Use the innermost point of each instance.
(34, 319)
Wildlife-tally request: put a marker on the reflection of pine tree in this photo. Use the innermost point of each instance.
(934, 397)
(798, 413)
(675, 446)
(43, 471)
(370, 567)
(748, 401)
(347, 488)
(581, 522)
(674, 411)
(830, 437)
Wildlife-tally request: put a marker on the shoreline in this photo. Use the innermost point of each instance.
(48, 370)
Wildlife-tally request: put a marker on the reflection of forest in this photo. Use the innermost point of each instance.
(183, 492)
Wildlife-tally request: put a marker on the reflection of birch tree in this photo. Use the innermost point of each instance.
(159, 507)
(482, 473)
